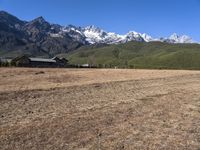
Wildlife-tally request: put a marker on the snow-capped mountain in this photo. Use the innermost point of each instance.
(96, 35)
(53, 38)
(180, 39)
(147, 38)
(92, 35)
(39, 37)
(174, 38)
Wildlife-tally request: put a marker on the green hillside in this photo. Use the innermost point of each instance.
(139, 55)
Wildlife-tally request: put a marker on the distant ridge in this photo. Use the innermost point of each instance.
(43, 39)
(149, 55)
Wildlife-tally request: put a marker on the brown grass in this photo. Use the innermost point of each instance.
(106, 109)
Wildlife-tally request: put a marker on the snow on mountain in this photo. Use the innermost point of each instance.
(74, 32)
(174, 38)
(147, 38)
(97, 35)
(92, 35)
(133, 36)
(180, 39)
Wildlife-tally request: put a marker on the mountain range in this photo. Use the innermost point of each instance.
(95, 35)
(43, 39)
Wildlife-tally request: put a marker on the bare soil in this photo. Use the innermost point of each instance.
(99, 109)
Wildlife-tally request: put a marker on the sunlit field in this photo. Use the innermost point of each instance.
(99, 109)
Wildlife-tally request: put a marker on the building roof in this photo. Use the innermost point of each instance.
(85, 65)
(42, 60)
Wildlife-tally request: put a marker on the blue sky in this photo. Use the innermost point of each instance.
(155, 17)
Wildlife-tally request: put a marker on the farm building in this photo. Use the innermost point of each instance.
(85, 65)
(25, 61)
(5, 60)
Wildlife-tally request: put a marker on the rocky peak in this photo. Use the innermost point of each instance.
(10, 20)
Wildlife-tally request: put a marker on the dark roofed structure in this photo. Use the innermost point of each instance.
(25, 61)
(42, 60)
(5, 60)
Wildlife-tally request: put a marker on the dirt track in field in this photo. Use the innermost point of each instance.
(92, 109)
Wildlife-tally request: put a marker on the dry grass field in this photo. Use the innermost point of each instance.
(89, 109)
